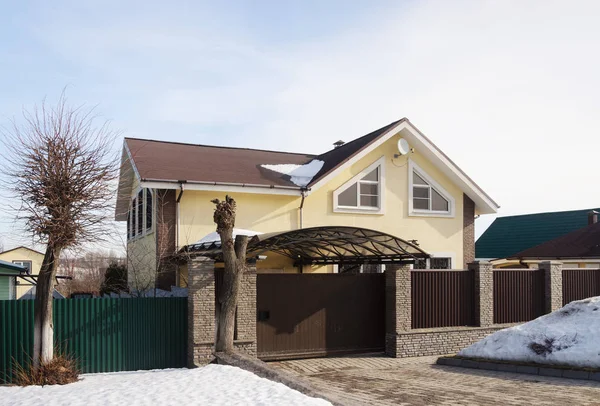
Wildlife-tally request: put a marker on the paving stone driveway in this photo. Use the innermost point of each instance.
(378, 380)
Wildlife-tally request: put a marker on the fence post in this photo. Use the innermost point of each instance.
(201, 311)
(484, 292)
(246, 311)
(552, 284)
(397, 305)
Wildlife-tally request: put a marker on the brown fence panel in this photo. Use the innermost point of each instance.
(518, 295)
(580, 284)
(304, 315)
(442, 298)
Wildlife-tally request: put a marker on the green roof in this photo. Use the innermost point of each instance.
(513, 234)
(9, 267)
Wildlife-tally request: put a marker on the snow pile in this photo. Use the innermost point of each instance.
(210, 385)
(300, 175)
(215, 237)
(568, 336)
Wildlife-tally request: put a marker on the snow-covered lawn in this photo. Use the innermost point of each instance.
(210, 385)
(568, 336)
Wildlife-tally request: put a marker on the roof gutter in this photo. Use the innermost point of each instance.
(213, 183)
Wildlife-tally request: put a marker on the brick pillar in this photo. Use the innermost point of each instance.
(553, 284)
(397, 305)
(484, 292)
(246, 312)
(201, 311)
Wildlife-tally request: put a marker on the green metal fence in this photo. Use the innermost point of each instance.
(105, 335)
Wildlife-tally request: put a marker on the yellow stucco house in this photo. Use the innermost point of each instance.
(28, 258)
(394, 180)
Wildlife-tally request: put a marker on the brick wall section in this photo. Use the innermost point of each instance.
(417, 343)
(165, 223)
(201, 311)
(553, 284)
(246, 312)
(397, 305)
(468, 230)
(484, 292)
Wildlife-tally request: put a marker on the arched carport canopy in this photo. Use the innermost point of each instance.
(325, 245)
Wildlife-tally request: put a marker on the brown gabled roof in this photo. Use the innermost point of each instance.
(24, 247)
(337, 156)
(582, 243)
(173, 161)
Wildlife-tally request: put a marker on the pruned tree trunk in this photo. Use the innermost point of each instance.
(43, 343)
(234, 259)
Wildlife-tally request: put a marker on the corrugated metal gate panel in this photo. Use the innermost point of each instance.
(303, 315)
(442, 298)
(518, 295)
(580, 284)
(105, 335)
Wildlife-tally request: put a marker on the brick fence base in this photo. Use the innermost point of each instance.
(440, 341)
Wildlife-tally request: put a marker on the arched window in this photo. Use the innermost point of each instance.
(148, 210)
(140, 212)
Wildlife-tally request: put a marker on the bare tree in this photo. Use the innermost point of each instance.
(60, 164)
(234, 258)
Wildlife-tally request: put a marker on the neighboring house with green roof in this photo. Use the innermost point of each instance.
(8, 279)
(510, 235)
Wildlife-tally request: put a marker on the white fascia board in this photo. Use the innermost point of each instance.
(124, 191)
(221, 188)
(483, 202)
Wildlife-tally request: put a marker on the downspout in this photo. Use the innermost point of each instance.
(303, 193)
(177, 276)
(181, 189)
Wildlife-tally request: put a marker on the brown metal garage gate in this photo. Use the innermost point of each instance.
(307, 315)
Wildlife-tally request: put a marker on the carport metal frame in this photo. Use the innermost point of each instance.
(325, 245)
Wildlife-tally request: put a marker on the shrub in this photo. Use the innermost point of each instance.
(61, 370)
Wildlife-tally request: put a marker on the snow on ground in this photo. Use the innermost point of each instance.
(300, 175)
(568, 336)
(215, 237)
(210, 385)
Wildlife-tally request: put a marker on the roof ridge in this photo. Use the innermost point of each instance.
(221, 147)
(546, 212)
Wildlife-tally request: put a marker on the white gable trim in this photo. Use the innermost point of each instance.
(412, 166)
(423, 145)
(380, 163)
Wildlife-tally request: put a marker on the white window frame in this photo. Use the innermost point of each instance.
(22, 262)
(413, 167)
(380, 209)
(134, 218)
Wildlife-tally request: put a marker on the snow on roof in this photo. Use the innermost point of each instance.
(568, 336)
(214, 236)
(300, 175)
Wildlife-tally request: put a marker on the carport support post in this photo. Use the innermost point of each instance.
(246, 311)
(484, 292)
(201, 311)
(397, 305)
(553, 284)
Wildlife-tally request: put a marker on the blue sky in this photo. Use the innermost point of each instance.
(508, 89)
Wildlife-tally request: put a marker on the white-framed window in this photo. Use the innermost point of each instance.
(425, 196)
(140, 217)
(24, 263)
(364, 193)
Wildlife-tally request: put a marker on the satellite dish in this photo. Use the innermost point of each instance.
(403, 146)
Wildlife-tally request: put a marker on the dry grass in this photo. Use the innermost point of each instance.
(60, 371)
